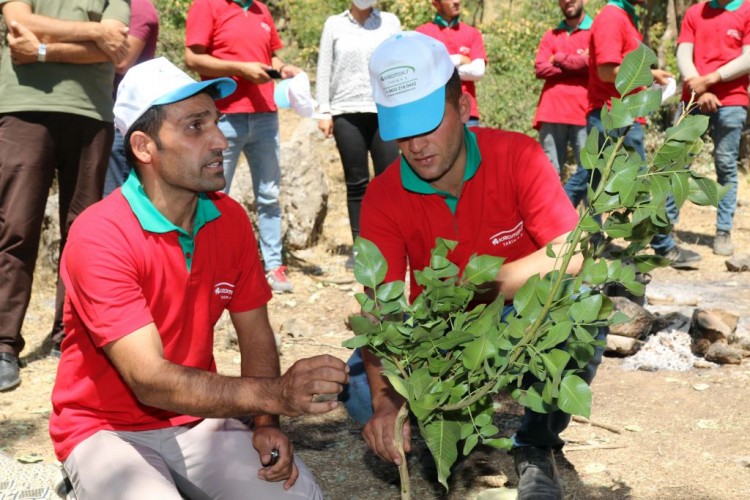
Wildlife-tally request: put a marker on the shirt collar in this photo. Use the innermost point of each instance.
(585, 24)
(245, 4)
(152, 220)
(412, 182)
(438, 19)
(731, 6)
(627, 7)
(373, 15)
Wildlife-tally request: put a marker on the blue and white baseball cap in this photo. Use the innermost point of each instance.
(158, 82)
(408, 73)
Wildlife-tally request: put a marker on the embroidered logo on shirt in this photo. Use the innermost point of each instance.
(224, 290)
(464, 51)
(507, 237)
(734, 34)
(265, 26)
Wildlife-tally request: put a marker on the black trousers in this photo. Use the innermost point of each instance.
(357, 135)
(33, 146)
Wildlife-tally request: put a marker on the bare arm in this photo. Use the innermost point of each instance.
(24, 49)
(135, 47)
(200, 61)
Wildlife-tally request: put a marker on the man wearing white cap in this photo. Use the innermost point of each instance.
(138, 408)
(492, 191)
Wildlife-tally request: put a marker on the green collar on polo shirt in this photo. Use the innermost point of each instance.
(444, 23)
(627, 7)
(731, 6)
(413, 183)
(245, 4)
(153, 221)
(585, 24)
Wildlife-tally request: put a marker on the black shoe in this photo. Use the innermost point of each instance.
(537, 474)
(682, 258)
(10, 375)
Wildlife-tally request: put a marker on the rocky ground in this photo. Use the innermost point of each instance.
(653, 435)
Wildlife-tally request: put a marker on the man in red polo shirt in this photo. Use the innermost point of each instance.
(464, 44)
(238, 39)
(713, 55)
(138, 408)
(614, 33)
(490, 190)
(562, 61)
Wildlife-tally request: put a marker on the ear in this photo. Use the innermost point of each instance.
(464, 107)
(142, 145)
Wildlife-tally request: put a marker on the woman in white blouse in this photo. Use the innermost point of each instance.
(344, 94)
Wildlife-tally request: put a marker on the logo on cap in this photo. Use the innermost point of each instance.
(398, 80)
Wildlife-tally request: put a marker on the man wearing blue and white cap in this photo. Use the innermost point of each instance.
(492, 191)
(138, 408)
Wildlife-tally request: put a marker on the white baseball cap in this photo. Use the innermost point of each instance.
(158, 82)
(408, 73)
(295, 93)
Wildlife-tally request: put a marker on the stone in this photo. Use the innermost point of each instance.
(622, 346)
(738, 263)
(706, 329)
(724, 354)
(729, 318)
(641, 320)
(673, 320)
(296, 328)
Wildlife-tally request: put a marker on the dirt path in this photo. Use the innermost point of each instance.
(680, 435)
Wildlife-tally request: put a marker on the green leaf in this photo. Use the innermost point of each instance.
(482, 269)
(442, 437)
(355, 342)
(477, 351)
(556, 360)
(705, 191)
(690, 129)
(680, 187)
(390, 291)
(370, 266)
(646, 263)
(399, 385)
(361, 325)
(635, 70)
(617, 117)
(499, 443)
(643, 103)
(587, 309)
(575, 396)
(470, 443)
(556, 335)
(526, 296)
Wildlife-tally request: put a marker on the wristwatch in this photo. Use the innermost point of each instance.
(41, 54)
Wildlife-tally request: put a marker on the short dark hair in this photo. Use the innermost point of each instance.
(453, 90)
(149, 123)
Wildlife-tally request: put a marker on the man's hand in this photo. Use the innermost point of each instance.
(701, 84)
(267, 439)
(708, 102)
(661, 76)
(379, 431)
(23, 44)
(255, 72)
(289, 71)
(308, 378)
(112, 39)
(326, 126)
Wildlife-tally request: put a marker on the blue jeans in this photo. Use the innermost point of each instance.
(537, 429)
(555, 137)
(577, 185)
(257, 136)
(117, 168)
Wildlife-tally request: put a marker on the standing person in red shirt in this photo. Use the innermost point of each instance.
(614, 33)
(464, 44)
(238, 39)
(562, 61)
(713, 55)
(138, 409)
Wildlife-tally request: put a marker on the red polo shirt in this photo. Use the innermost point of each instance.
(512, 206)
(121, 276)
(613, 35)
(564, 96)
(460, 39)
(233, 33)
(717, 35)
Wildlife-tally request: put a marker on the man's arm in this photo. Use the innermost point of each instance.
(135, 47)
(608, 73)
(200, 61)
(737, 67)
(108, 37)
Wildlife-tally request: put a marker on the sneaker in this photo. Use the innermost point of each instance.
(278, 280)
(538, 478)
(682, 258)
(723, 243)
(10, 374)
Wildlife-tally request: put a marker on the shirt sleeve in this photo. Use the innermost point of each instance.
(477, 47)
(608, 41)
(325, 68)
(199, 24)
(543, 67)
(117, 10)
(143, 20)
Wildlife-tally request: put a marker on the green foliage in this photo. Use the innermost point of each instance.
(447, 358)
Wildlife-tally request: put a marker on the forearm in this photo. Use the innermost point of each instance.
(572, 63)
(259, 359)
(685, 63)
(737, 67)
(474, 71)
(75, 53)
(545, 70)
(208, 65)
(48, 29)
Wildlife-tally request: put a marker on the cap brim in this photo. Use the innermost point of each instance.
(223, 87)
(411, 119)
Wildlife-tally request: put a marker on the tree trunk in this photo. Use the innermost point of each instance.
(670, 34)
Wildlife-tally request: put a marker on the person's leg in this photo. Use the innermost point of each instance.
(234, 127)
(356, 395)
(117, 168)
(726, 126)
(83, 149)
(26, 171)
(383, 152)
(350, 132)
(216, 459)
(262, 151)
(577, 138)
(108, 465)
(553, 138)
(577, 185)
